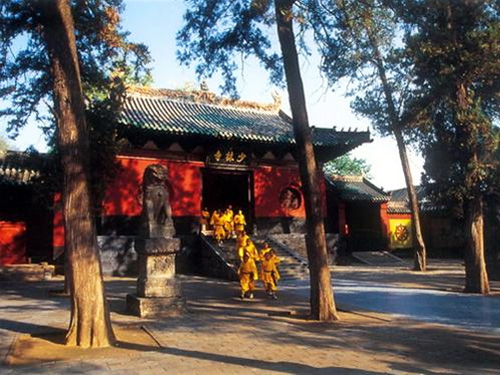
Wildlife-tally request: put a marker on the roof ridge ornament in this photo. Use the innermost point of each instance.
(204, 96)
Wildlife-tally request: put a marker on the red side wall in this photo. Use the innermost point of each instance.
(12, 242)
(384, 220)
(123, 195)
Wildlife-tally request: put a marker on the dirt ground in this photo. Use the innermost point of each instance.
(222, 335)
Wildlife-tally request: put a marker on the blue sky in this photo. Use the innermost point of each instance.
(155, 24)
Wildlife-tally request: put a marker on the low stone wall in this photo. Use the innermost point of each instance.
(297, 243)
(118, 256)
(279, 225)
(27, 272)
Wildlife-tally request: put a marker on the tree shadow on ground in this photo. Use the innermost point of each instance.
(280, 366)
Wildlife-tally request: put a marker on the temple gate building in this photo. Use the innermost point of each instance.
(219, 152)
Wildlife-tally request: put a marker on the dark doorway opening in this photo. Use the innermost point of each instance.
(365, 227)
(224, 188)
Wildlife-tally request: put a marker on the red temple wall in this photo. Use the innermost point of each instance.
(269, 183)
(123, 194)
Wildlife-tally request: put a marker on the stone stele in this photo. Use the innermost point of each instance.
(158, 290)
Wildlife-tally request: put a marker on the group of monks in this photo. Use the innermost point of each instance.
(247, 272)
(225, 224)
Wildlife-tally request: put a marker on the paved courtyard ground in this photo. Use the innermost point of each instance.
(222, 335)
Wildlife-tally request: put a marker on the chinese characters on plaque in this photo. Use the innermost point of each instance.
(228, 155)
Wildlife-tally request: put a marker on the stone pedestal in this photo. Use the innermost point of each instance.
(156, 230)
(158, 290)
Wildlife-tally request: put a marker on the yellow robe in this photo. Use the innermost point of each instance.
(239, 223)
(241, 240)
(247, 273)
(251, 250)
(228, 222)
(269, 273)
(218, 223)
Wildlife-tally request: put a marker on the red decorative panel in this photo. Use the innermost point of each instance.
(278, 192)
(123, 196)
(12, 242)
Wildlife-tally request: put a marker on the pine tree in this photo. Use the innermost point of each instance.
(454, 48)
(357, 40)
(61, 41)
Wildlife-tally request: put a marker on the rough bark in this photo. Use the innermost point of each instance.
(476, 278)
(90, 324)
(492, 239)
(321, 293)
(419, 255)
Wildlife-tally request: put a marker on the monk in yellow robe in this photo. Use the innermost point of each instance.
(269, 273)
(247, 273)
(241, 240)
(228, 222)
(250, 249)
(218, 223)
(265, 249)
(204, 220)
(239, 222)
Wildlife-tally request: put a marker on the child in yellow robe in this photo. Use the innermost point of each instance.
(269, 273)
(247, 272)
(264, 250)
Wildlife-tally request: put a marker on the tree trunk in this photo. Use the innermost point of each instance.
(321, 297)
(419, 251)
(492, 239)
(90, 324)
(476, 278)
(420, 256)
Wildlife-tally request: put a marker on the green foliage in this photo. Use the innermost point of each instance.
(108, 62)
(218, 34)
(455, 51)
(346, 165)
(105, 56)
(359, 40)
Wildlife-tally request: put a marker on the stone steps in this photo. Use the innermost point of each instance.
(291, 266)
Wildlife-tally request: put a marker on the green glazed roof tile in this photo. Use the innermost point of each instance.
(356, 188)
(176, 113)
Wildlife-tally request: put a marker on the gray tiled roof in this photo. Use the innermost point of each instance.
(18, 168)
(399, 202)
(356, 188)
(179, 115)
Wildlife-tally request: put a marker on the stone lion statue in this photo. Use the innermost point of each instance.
(156, 208)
